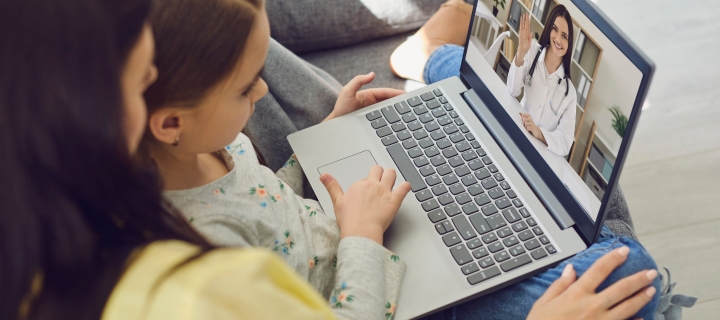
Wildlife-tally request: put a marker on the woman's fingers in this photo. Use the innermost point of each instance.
(401, 191)
(373, 96)
(350, 89)
(624, 288)
(388, 178)
(599, 271)
(559, 286)
(632, 305)
(332, 186)
(375, 173)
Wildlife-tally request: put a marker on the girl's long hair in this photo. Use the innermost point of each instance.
(72, 203)
(559, 11)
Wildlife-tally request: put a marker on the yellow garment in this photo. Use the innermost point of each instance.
(221, 284)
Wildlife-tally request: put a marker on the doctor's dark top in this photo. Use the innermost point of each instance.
(253, 206)
(545, 100)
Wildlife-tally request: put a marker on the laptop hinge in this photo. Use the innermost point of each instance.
(521, 163)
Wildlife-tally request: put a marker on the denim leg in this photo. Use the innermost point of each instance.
(443, 63)
(514, 302)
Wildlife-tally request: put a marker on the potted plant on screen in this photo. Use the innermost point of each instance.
(620, 121)
(498, 3)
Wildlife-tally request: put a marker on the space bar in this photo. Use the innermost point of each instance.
(406, 167)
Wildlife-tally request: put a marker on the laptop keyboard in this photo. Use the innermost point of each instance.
(473, 207)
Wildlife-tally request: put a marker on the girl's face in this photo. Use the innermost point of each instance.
(139, 72)
(559, 37)
(225, 111)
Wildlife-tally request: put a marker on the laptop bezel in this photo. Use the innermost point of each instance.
(588, 229)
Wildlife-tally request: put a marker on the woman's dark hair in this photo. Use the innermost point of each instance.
(559, 11)
(73, 204)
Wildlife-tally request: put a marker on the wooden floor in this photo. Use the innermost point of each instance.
(672, 172)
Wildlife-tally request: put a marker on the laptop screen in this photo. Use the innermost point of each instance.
(565, 84)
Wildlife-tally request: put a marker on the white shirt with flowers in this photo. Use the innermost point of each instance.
(252, 206)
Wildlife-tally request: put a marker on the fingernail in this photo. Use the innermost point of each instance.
(624, 251)
(371, 72)
(650, 292)
(322, 177)
(568, 270)
(651, 274)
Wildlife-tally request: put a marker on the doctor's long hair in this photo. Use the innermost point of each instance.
(559, 11)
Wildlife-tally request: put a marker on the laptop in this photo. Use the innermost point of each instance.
(490, 204)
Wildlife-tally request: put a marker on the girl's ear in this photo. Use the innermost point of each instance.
(166, 125)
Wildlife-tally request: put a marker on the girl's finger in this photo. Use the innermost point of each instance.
(559, 286)
(401, 191)
(380, 94)
(332, 186)
(375, 173)
(599, 271)
(631, 306)
(388, 178)
(350, 89)
(625, 288)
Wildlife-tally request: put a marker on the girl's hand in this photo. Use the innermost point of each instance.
(369, 205)
(530, 126)
(570, 299)
(350, 99)
(525, 39)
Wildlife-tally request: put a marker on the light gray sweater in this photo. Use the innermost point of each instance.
(252, 206)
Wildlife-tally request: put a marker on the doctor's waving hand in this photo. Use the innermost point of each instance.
(543, 69)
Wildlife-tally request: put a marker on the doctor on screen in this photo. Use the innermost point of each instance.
(543, 69)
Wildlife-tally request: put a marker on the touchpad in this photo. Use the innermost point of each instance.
(351, 169)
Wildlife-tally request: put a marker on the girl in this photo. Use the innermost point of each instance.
(208, 84)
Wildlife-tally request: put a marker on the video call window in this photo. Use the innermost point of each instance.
(603, 80)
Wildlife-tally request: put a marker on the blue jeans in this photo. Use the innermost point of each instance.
(514, 302)
(443, 63)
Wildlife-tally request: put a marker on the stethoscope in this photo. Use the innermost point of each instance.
(529, 83)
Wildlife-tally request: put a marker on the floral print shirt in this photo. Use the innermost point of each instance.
(252, 206)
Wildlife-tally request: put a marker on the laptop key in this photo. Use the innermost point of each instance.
(431, 152)
(474, 244)
(439, 190)
(470, 208)
(414, 125)
(511, 241)
(489, 210)
(379, 123)
(402, 107)
(449, 152)
(495, 193)
(414, 101)
(448, 107)
(480, 224)
(468, 180)
(544, 239)
(450, 179)
(452, 210)
(492, 168)
(451, 239)
(505, 186)
(524, 212)
(504, 232)
(425, 118)
(463, 227)
(501, 256)
(406, 168)
(432, 104)
(432, 126)
(489, 184)
(469, 155)
(470, 268)
(455, 137)
(456, 161)
(489, 238)
(423, 195)
(479, 253)
(495, 247)
(440, 228)
(482, 174)
(437, 135)
(404, 135)
(517, 250)
(475, 164)
(430, 205)
(470, 137)
(462, 171)
(443, 169)
(389, 140)
(439, 112)
(525, 235)
(415, 152)
(424, 143)
(409, 144)
(531, 222)
(427, 96)
(464, 128)
(516, 262)
(487, 262)
(384, 131)
(487, 160)
(432, 180)
(520, 226)
(420, 161)
(462, 146)
(390, 114)
(443, 100)
(456, 188)
(450, 129)
(512, 216)
(373, 115)
(538, 254)
(496, 222)
(443, 143)
(463, 198)
(437, 92)
(475, 190)
(517, 203)
(459, 121)
(445, 199)
(436, 215)
(475, 144)
(550, 249)
(532, 244)
(421, 110)
(444, 120)
(537, 231)
(398, 126)
(409, 117)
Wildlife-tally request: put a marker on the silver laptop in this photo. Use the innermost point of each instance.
(490, 204)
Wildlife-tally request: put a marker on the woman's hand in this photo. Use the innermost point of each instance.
(530, 126)
(350, 99)
(525, 39)
(369, 205)
(570, 299)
